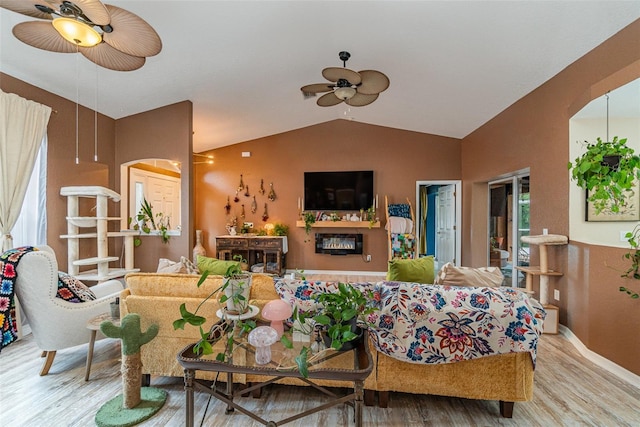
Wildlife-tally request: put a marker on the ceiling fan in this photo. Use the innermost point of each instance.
(354, 88)
(111, 37)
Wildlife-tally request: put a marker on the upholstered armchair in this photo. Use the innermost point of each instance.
(57, 324)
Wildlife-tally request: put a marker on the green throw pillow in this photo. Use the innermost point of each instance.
(411, 270)
(213, 265)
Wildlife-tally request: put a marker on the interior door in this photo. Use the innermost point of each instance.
(438, 218)
(446, 225)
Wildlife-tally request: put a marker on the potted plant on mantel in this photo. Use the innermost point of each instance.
(608, 171)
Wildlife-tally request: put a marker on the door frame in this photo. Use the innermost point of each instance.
(511, 178)
(458, 204)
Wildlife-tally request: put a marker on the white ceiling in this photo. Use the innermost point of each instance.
(453, 65)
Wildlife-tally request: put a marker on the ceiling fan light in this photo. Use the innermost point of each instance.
(77, 32)
(345, 93)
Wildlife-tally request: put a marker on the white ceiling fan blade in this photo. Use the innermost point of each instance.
(333, 74)
(317, 88)
(360, 100)
(132, 34)
(328, 100)
(111, 58)
(373, 82)
(94, 10)
(27, 7)
(42, 35)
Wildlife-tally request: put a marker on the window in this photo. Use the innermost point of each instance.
(31, 226)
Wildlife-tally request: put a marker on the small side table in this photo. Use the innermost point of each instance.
(94, 326)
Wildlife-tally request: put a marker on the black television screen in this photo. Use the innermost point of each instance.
(338, 191)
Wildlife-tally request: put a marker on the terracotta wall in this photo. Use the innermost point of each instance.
(534, 133)
(161, 133)
(61, 168)
(164, 132)
(398, 158)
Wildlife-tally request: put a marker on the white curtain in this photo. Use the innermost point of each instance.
(31, 227)
(23, 124)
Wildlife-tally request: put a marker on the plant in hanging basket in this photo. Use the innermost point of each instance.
(633, 256)
(608, 171)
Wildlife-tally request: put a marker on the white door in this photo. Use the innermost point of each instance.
(446, 225)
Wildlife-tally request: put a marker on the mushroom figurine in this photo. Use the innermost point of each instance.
(276, 311)
(261, 338)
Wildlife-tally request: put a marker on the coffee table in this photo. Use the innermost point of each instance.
(352, 366)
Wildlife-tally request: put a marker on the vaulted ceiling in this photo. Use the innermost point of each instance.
(453, 65)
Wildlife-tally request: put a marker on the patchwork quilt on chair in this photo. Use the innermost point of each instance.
(443, 324)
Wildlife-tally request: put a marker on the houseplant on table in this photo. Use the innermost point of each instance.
(608, 171)
(337, 318)
(235, 290)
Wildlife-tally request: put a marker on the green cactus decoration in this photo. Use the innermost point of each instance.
(130, 333)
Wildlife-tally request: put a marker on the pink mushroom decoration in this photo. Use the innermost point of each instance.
(277, 311)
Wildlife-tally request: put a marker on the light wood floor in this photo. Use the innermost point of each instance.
(569, 391)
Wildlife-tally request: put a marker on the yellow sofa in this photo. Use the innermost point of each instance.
(157, 297)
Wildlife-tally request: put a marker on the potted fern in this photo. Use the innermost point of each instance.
(608, 171)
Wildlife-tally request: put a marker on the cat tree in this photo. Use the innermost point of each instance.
(543, 241)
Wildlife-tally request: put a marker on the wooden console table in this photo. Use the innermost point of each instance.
(269, 250)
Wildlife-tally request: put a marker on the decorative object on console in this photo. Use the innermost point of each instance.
(128, 39)
(198, 249)
(354, 88)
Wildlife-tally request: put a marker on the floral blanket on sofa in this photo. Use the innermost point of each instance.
(442, 324)
(436, 323)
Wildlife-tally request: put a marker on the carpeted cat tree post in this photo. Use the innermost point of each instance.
(137, 403)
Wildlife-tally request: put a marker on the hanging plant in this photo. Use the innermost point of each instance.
(633, 272)
(609, 182)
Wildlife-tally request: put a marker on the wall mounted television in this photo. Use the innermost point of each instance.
(338, 191)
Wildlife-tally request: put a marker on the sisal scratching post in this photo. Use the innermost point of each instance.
(136, 404)
(543, 241)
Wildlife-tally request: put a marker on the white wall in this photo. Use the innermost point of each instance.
(580, 130)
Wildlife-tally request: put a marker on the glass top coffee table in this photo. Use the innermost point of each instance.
(352, 366)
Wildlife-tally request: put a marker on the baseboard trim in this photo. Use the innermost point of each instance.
(603, 362)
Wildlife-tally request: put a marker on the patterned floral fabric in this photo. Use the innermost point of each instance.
(437, 324)
(442, 324)
(8, 275)
(73, 290)
(299, 293)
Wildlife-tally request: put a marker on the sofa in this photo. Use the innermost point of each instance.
(507, 378)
